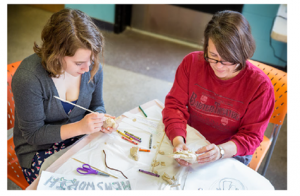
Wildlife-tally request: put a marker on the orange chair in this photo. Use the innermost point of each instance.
(279, 81)
(14, 170)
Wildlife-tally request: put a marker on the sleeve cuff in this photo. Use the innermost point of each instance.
(240, 151)
(177, 132)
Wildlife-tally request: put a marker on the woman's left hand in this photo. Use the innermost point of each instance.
(109, 130)
(210, 153)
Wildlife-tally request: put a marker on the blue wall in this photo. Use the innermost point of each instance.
(260, 17)
(104, 12)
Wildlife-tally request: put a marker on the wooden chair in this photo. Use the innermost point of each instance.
(279, 81)
(14, 170)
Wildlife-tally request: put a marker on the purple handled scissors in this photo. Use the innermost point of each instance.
(86, 169)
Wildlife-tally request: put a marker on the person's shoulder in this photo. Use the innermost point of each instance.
(193, 58)
(196, 55)
(258, 76)
(28, 74)
(29, 70)
(32, 64)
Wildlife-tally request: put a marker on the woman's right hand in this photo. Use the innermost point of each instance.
(179, 145)
(91, 123)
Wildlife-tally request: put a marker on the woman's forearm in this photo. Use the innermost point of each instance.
(70, 130)
(178, 140)
(230, 149)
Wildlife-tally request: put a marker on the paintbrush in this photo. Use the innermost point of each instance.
(74, 104)
(78, 106)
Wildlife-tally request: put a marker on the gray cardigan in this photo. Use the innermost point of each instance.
(38, 115)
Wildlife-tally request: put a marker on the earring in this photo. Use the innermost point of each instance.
(237, 65)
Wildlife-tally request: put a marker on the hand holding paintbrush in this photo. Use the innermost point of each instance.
(94, 122)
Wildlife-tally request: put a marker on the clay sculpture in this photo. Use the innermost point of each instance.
(109, 122)
(186, 155)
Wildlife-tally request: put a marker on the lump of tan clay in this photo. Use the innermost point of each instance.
(155, 163)
(161, 152)
(167, 178)
(109, 122)
(186, 155)
(134, 153)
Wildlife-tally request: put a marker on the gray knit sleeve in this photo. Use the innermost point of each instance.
(29, 109)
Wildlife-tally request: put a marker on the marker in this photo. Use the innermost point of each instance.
(124, 135)
(129, 140)
(150, 173)
(150, 142)
(143, 111)
(133, 135)
(144, 150)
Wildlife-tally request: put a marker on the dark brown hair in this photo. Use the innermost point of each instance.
(231, 34)
(65, 32)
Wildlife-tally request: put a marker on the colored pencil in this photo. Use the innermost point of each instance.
(143, 111)
(124, 135)
(150, 173)
(133, 135)
(129, 140)
(150, 142)
(144, 150)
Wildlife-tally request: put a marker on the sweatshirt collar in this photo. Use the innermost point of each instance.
(231, 80)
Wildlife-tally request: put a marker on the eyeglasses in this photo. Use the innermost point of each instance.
(214, 61)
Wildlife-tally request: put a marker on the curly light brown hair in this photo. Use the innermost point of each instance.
(231, 34)
(64, 33)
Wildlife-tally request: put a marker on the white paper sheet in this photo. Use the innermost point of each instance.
(118, 157)
(54, 181)
(137, 119)
(226, 174)
(138, 125)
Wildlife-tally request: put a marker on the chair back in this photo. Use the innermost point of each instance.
(14, 170)
(279, 81)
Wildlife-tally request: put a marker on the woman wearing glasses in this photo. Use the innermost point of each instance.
(220, 94)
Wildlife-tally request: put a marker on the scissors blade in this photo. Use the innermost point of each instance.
(102, 174)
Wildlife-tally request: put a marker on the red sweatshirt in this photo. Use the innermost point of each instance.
(237, 109)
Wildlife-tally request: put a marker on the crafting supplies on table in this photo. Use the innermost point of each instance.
(118, 155)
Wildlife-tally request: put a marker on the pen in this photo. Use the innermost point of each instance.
(124, 135)
(150, 142)
(150, 173)
(129, 140)
(144, 150)
(143, 111)
(133, 135)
